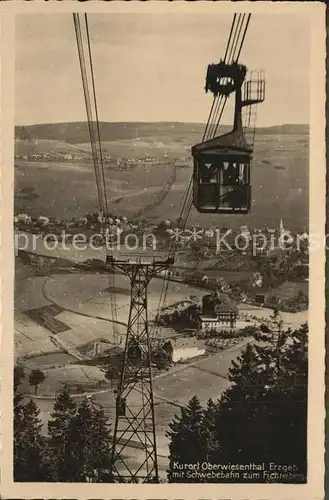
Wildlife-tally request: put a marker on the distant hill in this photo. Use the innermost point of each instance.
(77, 132)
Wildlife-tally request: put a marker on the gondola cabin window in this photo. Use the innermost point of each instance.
(222, 185)
(221, 179)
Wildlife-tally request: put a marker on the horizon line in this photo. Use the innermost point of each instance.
(160, 121)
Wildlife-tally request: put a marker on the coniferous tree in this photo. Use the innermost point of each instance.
(262, 417)
(242, 426)
(266, 408)
(209, 435)
(18, 406)
(90, 444)
(102, 447)
(19, 375)
(185, 440)
(29, 444)
(80, 439)
(288, 401)
(58, 429)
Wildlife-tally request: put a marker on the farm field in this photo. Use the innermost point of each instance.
(84, 307)
(206, 378)
(89, 295)
(170, 391)
(182, 386)
(141, 185)
(293, 320)
(280, 181)
(289, 289)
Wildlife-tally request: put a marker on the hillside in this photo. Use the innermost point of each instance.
(150, 189)
(77, 132)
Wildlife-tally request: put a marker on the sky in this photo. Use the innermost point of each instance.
(151, 67)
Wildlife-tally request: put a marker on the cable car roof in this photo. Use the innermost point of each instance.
(232, 142)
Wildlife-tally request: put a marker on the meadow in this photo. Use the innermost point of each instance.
(156, 191)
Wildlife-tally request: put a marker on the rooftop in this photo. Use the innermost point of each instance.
(208, 317)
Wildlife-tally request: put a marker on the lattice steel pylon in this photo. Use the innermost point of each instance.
(134, 427)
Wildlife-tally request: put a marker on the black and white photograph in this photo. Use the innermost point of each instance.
(163, 247)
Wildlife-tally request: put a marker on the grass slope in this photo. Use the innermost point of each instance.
(279, 177)
(77, 132)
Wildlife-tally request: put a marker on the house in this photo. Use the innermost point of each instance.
(209, 322)
(83, 220)
(183, 353)
(262, 296)
(244, 231)
(23, 218)
(43, 220)
(180, 350)
(260, 251)
(219, 312)
(165, 272)
(209, 233)
(260, 299)
(177, 272)
(257, 279)
(227, 314)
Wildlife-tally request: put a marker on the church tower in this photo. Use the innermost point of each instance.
(281, 227)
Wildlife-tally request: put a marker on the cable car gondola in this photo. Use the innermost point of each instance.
(221, 173)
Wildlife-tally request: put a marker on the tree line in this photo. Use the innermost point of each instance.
(76, 448)
(260, 418)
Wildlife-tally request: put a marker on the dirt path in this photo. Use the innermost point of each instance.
(161, 197)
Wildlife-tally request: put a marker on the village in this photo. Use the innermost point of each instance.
(265, 275)
(111, 161)
(218, 299)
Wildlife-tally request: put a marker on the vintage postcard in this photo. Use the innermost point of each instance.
(163, 208)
